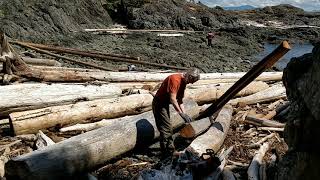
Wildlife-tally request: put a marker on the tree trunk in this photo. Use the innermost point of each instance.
(22, 97)
(214, 137)
(273, 93)
(86, 151)
(210, 94)
(34, 120)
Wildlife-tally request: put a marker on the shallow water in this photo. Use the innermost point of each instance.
(297, 50)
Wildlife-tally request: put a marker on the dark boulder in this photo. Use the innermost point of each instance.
(302, 81)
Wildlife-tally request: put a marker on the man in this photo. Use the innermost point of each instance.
(171, 91)
(210, 37)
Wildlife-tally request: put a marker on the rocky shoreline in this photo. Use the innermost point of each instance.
(233, 48)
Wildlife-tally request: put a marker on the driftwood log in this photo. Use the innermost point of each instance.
(263, 122)
(31, 121)
(84, 152)
(253, 170)
(39, 62)
(214, 137)
(22, 97)
(212, 93)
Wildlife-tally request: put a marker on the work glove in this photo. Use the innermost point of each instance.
(185, 117)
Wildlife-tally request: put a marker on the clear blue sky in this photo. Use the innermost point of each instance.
(307, 5)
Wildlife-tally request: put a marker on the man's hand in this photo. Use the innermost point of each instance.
(185, 117)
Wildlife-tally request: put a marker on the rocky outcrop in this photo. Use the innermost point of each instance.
(302, 81)
(44, 18)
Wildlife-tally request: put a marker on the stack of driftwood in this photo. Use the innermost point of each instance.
(108, 114)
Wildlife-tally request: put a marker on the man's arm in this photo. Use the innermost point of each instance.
(174, 102)
(179, 108)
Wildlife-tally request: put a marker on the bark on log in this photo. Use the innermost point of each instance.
(214, 137)
(22, 97)
(253, 170)
(263, 122)
(34, 120)
(86, 151)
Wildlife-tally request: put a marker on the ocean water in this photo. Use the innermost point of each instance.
(297, 50)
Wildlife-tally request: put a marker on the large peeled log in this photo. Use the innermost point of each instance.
(22, 97)
(31, 121)
(86, 151)
(214, 137)
(212, 93)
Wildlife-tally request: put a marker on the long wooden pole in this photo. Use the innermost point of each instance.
(63, 57)
(97, 55)
(264, 64)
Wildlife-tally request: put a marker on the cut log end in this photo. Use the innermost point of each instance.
(187, 131)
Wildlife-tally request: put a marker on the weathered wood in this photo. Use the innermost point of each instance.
(4, 121)
(22, 97)
(253, 170)
(86, 151)
(257, 144)
(214, 137)
(263, 122)
(273, 93)
(43, 140)
(153, 77)
(34, 120)
(210, 94)
(270, 129)
(94, 125)
(41, 62)
(65, 58)
(2, 147)
(3, 160)
(270, 115)
(91, 54)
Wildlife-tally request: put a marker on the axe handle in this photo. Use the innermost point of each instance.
(253, 73)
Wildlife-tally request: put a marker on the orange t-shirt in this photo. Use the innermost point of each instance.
(172, 84)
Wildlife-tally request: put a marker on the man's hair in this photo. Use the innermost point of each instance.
(193, 73)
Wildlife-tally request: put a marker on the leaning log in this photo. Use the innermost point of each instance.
(214, 137)
(22, 97)
(31, 121)
(86, 151)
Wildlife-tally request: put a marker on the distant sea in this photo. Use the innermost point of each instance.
(239, 8)
(297, 50)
